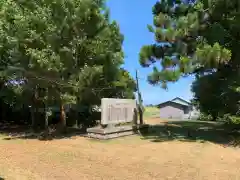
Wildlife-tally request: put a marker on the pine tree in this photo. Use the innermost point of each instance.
(186, 41)
(63, 52)
(198, 37)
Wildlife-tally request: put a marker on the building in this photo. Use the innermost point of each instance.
(177, 108)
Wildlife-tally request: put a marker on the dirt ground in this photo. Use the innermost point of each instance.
(125, 158)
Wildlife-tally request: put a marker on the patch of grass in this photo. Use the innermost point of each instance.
(122, 158)
(151, 112)
(198, 131)
(193, 124)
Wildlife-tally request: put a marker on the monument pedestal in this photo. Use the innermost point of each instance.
(115, 112)
(113, 132)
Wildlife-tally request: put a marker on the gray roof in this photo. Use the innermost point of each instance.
(176, 100)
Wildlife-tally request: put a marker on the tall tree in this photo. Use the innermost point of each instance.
(62, 51)
(197, 37)
(185, 40)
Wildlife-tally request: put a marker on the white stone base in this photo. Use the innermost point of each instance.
(113, 132)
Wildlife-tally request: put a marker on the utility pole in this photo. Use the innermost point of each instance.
(140, 106)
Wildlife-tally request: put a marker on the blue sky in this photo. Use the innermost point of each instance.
(133, 17)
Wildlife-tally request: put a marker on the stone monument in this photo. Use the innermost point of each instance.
(118, 118)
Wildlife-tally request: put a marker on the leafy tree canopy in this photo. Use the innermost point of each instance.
(198, 37)
(186, 38)
(60, 52)
(67, 46)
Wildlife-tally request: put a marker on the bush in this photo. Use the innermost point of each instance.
(231, 119)
(71, 118)
(205, 117)
(90, 119)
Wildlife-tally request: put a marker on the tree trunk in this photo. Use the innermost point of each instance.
(46, 131)
(140, 116)
(77, 113)
(46, 115)
(140, 111)
(135, 119)
(33, 108)
(62, 116)
(46, 120)
(3, 113)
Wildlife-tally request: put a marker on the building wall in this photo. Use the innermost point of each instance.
(194, 114)
(172, 111)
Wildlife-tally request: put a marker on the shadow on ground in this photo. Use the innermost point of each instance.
(25, 132)
(191, 131)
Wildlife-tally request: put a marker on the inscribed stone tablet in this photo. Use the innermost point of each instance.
(115, 111)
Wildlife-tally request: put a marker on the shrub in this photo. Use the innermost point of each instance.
(205, 117)
(231, 119)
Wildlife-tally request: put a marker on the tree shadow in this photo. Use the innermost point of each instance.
(190, 131)
(25, 132)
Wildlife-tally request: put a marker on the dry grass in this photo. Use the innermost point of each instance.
(151, 112)
(124, 158)
(155, 120)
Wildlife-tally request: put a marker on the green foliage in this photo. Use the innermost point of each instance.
(205, 117)
(198, 37)
(235, 120)
(214, 95)
(230, 119)
(183, 44)
(64, 52)
(125, 85)
(222, 97)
